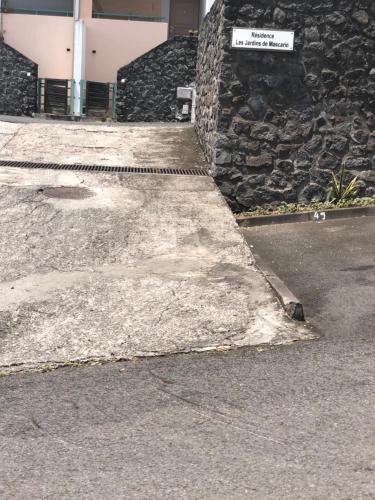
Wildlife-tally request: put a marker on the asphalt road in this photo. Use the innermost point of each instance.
(329, 266)
(293, 422)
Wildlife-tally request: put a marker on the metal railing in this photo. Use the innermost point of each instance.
(128, 16)
(95, 14)
(37, 12)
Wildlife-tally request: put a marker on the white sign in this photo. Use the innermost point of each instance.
(184, 93)
(257, 39)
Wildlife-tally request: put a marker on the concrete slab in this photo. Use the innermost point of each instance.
(109, 266)
(157, 145)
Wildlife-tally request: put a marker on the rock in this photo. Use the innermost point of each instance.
(258, 104)
(264, 132)
(279, 16)
(336, 18)
(222, 157)
(361, 17)
(263, 161)
(250, 147)
(312, 34)
(359, 136)
(312, 192)
(240, 126)
(286, 166)
(329, 77)
(337, 144)
(246, 113)
(371, 143)
(311, 80)
(353, 163)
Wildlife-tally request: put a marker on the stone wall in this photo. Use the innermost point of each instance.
(17, 89)
(151, 81)
(209, 66)
(285, 121)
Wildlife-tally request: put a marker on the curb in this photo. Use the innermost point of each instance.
(321, 215)
(291, 304)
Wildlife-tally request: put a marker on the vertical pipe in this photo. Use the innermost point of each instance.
(77, 8)
(79, 58)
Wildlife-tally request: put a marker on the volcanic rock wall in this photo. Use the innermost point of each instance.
(18, 82)
(148, 93)
(275, 125)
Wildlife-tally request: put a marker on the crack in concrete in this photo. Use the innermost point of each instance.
(13, 136)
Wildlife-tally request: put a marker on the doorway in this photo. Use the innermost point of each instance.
(184, 17)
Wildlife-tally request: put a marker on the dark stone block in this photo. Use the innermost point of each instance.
(264, 161)
(313, 192)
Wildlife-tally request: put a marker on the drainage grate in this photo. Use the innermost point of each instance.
(103, 168)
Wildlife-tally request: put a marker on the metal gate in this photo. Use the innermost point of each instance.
(56, 96)
(59, 97)
(97, 98)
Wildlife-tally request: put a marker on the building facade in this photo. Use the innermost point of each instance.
(92, 39)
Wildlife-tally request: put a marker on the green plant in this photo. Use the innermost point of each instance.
(289, 208)
(340, 191)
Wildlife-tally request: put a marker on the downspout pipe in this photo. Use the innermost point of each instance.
(77, 9)
(79, 56)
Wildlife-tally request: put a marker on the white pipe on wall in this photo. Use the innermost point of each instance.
(77, 10)
(79, 59)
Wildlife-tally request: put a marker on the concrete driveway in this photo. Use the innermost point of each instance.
(100, 266)
(158, 146)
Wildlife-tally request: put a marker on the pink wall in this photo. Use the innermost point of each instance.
(86, 9)
(43, 39)
(117, 43)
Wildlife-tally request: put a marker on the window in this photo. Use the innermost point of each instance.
(135, 10)
(39, 7)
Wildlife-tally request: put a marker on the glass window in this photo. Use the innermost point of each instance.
(136, 10)
(39, 7)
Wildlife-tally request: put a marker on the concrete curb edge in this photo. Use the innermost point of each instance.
(291, 304)
(330, 214)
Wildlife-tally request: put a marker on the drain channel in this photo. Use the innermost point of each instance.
(102, 168)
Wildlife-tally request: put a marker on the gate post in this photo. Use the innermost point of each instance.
(114, 101)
